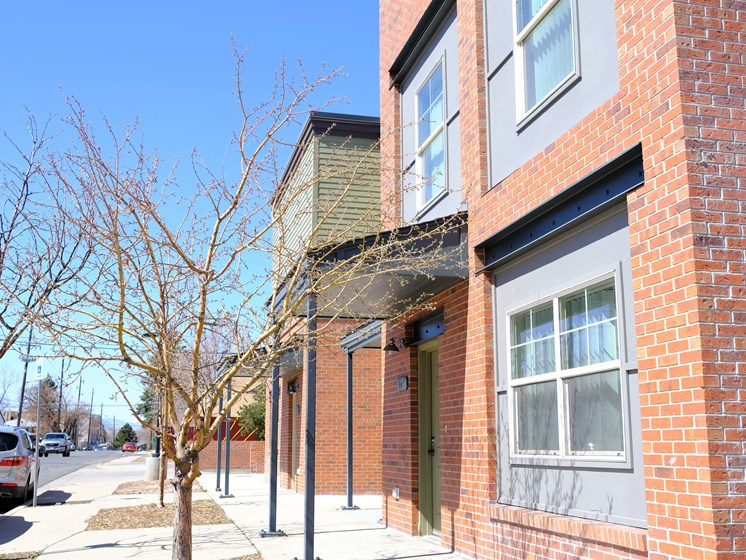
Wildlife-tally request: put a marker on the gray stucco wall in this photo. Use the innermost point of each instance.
(510, 146)
(443, 48)
(592, 489)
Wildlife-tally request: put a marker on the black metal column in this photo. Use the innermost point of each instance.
(220, 444)
(273, 444)
(310, 495)
(349, 434)
(227, 493)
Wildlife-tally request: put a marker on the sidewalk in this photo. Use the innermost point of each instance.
(59, 530)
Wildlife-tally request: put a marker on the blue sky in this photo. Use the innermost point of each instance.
(170, 65)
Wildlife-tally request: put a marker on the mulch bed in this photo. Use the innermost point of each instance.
(204, 512)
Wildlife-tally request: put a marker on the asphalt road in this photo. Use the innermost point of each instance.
(55, 466)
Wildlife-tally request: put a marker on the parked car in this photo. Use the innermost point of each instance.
(56, 442)
(129, 446)
(17, 464)
(104, 447)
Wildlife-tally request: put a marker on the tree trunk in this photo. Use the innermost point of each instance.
(162, 467)
(182, 538)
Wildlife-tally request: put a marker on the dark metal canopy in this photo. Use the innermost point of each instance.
(417, 263)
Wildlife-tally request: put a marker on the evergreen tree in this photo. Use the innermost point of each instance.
(126, 433)
(251, 416)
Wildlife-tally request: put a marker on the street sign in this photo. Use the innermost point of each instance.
(39, 369)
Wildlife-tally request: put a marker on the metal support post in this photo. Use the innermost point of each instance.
(227, 493)
(310, 494)
(274, 436)
(349, 435)
(220, 444)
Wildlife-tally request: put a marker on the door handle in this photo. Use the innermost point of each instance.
(431, 449)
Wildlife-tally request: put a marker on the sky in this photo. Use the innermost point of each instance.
(170, 65)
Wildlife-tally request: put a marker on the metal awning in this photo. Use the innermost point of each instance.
(409, 265)
(365, 336)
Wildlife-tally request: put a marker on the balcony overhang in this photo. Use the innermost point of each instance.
(417, 263)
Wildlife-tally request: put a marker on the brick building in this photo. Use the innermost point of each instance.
(581, 394)
(329, 194)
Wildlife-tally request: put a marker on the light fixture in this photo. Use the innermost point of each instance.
(391, 346)
(292, 387)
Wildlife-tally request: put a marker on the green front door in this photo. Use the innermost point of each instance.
(429, 448)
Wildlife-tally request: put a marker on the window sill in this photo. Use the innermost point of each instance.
(561, 88)
(430, 204)
(631, 538)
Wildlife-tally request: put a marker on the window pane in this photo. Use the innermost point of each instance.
(533, 358)
(532, 341)
(595, 413)
(536, 421)
(588, 325)
(572, 311)
(527, 9)
(533, 324)
(433, 168)
(603, 341)
(574, 349)
(430, 106)
(548, 53)
(601, 302)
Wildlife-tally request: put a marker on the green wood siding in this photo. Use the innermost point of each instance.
(335, 190)
(349, 193)
(294, 213)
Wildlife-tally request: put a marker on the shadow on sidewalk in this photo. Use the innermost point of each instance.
(52, 497)
(12, 527)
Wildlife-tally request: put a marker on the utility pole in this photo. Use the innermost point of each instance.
(25, 371)
(90, 416)
(59, 404)
(101, 429)
(77, 410)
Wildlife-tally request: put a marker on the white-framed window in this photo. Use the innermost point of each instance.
(566, 388)
(431, 142)
(546, 50)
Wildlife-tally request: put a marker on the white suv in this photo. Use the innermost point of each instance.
(16, 464)
(56, 442)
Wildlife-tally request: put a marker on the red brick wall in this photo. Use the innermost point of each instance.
(245, 456)
(331, 418)
(681, 96)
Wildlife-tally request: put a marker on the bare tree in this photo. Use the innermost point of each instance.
(186, 288)
(50, 399)
(39, 251)
(6, 382)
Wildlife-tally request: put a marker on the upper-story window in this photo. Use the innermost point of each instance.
(546, 50)
(431, 137)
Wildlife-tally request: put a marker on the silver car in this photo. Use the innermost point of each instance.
(17, 464)
(57, 442)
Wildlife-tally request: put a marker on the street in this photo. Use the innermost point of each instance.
(56, 466)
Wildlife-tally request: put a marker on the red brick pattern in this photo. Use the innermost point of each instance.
(246, 456)
(682, 96)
